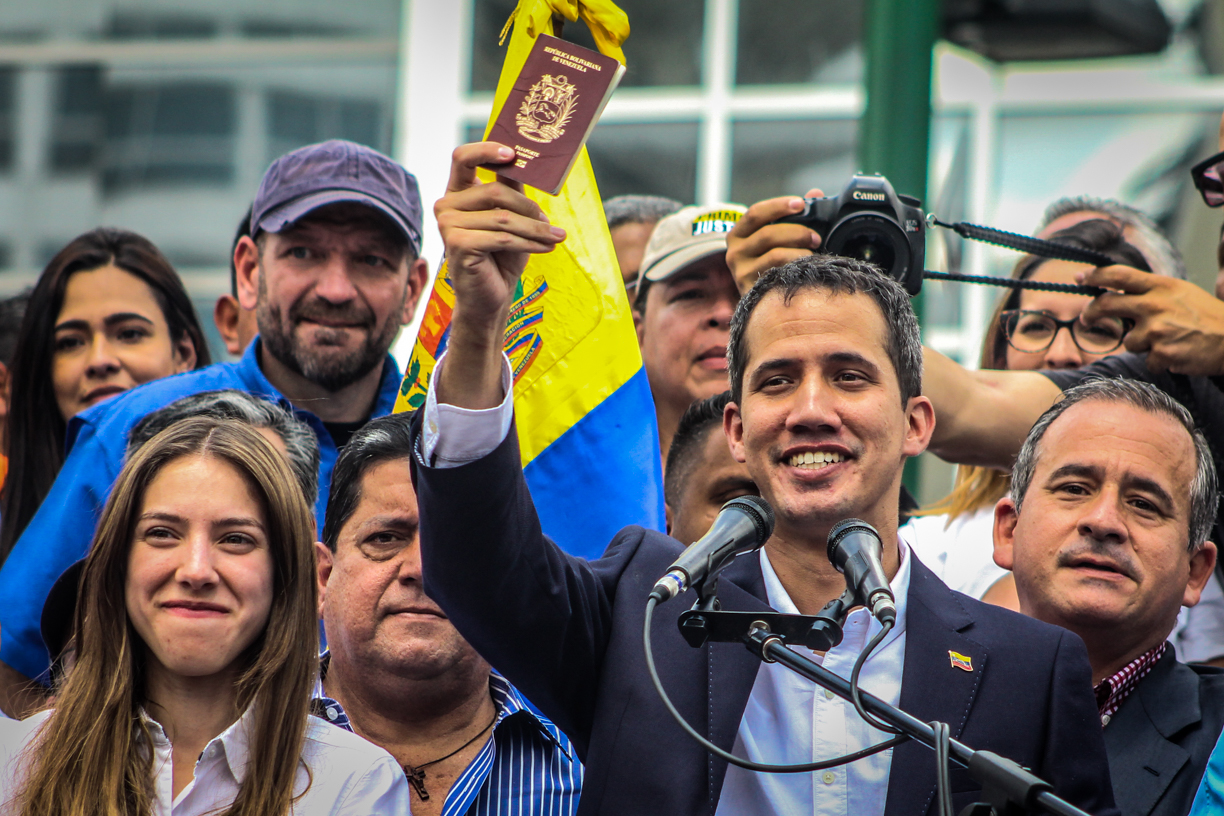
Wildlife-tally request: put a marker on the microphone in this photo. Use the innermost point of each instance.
(855, 549)
(743, 524)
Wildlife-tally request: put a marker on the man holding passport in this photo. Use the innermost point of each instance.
(826, 376)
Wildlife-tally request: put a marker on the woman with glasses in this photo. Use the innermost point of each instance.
(1031, 331)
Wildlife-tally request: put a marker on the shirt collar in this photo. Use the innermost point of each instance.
(506, 699)
(1113, 690)
(233, 744)
(780, 599)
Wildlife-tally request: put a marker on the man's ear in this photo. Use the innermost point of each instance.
(246, 272)
(418, 276)
(667, 515)
(1202, 565)
(733, 427)
(324, 561)
(920, 420)
(1005, 520)
(225, 317)
(639, 324)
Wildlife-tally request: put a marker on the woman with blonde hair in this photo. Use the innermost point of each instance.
(196, 651)
(1032, 331)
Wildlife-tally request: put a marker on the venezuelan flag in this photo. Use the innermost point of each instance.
(583, 409)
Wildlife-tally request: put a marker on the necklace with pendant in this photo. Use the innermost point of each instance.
(415, 774)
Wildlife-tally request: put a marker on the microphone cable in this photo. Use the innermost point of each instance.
(855, 695)
(727, 756)
(943, 782)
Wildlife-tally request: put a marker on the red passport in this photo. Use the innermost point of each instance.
(552, 108)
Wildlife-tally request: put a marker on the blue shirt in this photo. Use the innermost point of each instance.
(1209, 801)
(528, 768)
(62, 530)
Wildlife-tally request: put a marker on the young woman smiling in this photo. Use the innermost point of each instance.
(197, 644)
(107, 314)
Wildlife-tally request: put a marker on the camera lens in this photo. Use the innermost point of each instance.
(872, 238)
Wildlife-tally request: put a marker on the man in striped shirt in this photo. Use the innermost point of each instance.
(1113, 497)
(400, 675)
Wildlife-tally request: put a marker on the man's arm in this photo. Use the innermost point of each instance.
(982, 417)
(1178, 324)
(59, 534)
(489, 231)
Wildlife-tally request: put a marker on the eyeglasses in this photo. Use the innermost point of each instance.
(1206, 176)
(1032, 332)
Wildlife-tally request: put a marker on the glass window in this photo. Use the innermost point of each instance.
(8, 117)
(77, 114)
(775, 158)
(173, 133)
(296, 119)
(797, 41)
(646, 159)
(663, 49)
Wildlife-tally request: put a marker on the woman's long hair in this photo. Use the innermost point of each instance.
(35, 435)
(93, 757)
(980, 487)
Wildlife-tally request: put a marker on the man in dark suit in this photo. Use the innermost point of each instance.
(825, 368)
(1113, 495)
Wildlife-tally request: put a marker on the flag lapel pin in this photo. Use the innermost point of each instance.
(960, 661)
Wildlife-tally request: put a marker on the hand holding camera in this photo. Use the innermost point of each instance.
(868, 220)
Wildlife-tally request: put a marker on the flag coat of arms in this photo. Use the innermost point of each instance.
(583, 409)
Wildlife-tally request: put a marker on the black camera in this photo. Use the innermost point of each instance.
(870, 222)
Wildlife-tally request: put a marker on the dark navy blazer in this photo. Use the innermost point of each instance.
(568, 634)
(1162, 736)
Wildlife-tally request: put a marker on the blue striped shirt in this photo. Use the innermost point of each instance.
(528, 768)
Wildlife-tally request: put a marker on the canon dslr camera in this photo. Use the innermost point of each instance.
(870, 222)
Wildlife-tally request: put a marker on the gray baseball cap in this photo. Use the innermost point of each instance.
(330, 172)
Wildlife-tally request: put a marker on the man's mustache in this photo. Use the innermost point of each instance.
(1100, 553)
(322, 311)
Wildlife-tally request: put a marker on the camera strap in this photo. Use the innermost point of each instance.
(1026, 244)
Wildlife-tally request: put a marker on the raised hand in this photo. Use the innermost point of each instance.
(489, 229)
(756, 244)
(1178, 324)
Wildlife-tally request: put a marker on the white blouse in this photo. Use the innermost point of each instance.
(348, 775)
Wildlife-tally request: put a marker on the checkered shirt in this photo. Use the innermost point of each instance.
(1113, 690)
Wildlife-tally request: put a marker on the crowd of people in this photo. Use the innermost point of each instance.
(250, 588)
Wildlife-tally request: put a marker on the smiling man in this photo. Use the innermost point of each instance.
(825, 369)
(1113, 496)
(684, 299)
(332, 273)
(400, 675)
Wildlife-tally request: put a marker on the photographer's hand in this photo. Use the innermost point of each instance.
(757, 244)
(489, 231)
(1179, 325)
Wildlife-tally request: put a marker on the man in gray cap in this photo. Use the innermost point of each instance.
(332, 272)
(682, 307)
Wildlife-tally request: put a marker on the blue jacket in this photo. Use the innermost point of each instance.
(62, 529)
(568, 634)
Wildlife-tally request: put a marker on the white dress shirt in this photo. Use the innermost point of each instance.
(348, 775)
(788, 720)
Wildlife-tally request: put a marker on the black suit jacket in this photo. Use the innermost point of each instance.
(568, 633)
(1160, 739)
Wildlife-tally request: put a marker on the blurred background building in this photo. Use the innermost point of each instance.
(161, 115)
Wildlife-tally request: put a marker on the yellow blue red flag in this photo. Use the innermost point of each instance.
(585, 417)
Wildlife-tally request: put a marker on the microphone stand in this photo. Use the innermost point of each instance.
(1007, 788)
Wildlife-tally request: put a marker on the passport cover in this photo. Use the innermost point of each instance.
(552, 108)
